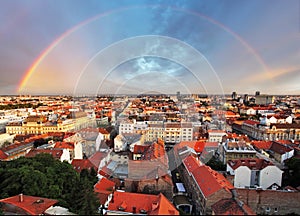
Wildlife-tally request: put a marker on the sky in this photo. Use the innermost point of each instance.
(139, 46)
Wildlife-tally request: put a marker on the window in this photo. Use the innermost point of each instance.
(275, 209)
(268, 209)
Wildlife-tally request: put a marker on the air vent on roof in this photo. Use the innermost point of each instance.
(39, 201)
(121, 208)
(143, 211)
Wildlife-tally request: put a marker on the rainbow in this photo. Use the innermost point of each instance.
(57, 41)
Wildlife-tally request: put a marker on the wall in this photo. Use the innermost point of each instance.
(270, 175)
(242, 177)
(271, 201)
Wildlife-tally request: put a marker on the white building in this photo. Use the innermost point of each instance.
(125, 141)
(254, 172)
(267, 120)
(6, 138)
(126, 127)
(215, 135)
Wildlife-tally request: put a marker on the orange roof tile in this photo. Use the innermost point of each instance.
(199, 146)
(280, 148)
(56, 153)
(80, 164)
(251, 122)
(103, 188)
(142, 203)
(210, 181)
(3, 156)
(251, 163)
(97, 157)
(30, 204)
(191, 163)
(262, 144)
(103, 131)
(66, 145)
(229, 206)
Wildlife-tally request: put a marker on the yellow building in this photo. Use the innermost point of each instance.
(40, 125)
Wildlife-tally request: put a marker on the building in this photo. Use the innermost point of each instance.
(75, 148)
(150, 174)
(80, 164)
(264, 99)
(276, 119)
(155, 131)
(104, 189)
(40, 124)
(6, 138)
(170, 132)
(250, 128)
(127, 141)
(124, 203)
(15, 150)
(26, 205)
(234, 96)
(150, 177)
(254, 173)
(59, 154)
(204, 185)
(271, 202)
(279, 131)
(235, 149)
(281, 152)
(215, 135)
(230, 206)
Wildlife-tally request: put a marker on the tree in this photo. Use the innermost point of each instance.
(216, 164)
(47, 177)
(293, 175)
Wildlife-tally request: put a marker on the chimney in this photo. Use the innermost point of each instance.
(21, 198)
(154, 206)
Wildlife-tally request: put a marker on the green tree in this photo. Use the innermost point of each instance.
(293, 174)
(216, 164)
(47, 177)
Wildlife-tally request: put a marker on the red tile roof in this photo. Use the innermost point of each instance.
(66, 145)
(210, 181)
(199, 146)
(103, 188)
(3, 156)
(262, 144)
(103, 131)
(30, 204)
(56, 153)
(229, 206)
(251, 163)
(251, 122)
(191, 163)
(80, 164)
(142, 204)
(140, 149)
(97, 157)
(104, 185)
(106, 172)
(280, 148)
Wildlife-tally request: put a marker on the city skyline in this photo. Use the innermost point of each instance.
(134, 47)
